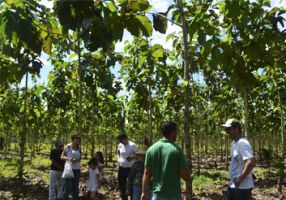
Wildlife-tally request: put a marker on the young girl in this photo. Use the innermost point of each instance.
(100, 160)
(93, 178)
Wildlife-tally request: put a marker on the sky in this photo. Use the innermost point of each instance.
(157, 6)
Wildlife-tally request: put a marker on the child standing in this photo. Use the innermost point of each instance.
(100, 161)
(93, 178)
(134, 183)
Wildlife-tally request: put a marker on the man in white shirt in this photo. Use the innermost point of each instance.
(126, 156)
(241, 164)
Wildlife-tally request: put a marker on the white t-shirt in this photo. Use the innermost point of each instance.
(125, 151)
(92, 184)
(241, 151)
(71, 153)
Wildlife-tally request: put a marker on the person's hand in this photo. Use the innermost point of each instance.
(144, 196)
(237, 181)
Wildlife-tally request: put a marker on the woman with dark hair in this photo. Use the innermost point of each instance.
(72, 154)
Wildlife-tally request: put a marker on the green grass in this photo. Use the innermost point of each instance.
(8, 167)
(208, 178)
(38, 166)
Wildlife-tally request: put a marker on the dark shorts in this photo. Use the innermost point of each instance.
(239, 194)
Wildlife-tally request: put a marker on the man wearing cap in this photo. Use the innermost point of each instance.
(165, 164)
(57, 167)
(134, 184)
(241, 164)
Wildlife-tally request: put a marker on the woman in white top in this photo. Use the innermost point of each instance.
(93, 178)
(72, 153)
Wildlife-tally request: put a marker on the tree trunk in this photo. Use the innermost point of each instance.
(282, 173)
(80, 84)
(245, 111)
(93, 123)
(187, 137)
(24, 131)
(150, 113)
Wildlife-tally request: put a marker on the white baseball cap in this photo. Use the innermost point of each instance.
(231, 122)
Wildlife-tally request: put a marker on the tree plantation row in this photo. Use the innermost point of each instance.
(227, 61)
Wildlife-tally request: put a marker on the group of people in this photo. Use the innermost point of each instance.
(61, 186)
(155, 172)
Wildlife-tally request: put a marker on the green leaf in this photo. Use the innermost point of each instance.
(160, 23)
(143, 72)
(158, 53)
(185, 84)
(232, 8)
(72, 56)
(36, 67)
(140, 23)
(141, 60)
(138, 5)
(145, 25)
(111, 6)
(202, 39)
(47, 45)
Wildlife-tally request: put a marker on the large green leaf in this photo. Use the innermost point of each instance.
(145, 25)
(158, 53)
(138, 5)
(160, 23)
(47, 45)
(139, 24)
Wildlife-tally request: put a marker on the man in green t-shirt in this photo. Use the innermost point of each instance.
(165, 164)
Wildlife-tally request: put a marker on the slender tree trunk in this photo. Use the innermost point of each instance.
(187, 137)
(80, 84)
(24, 130)
(93, 122)
(150, 113)
(245, 111)
(282, 173)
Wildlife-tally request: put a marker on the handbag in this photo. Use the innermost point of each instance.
(68, 173)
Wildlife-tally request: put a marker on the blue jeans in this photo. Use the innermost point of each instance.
(237, 194)
(71, 185)
(136, 193)
(165, 198)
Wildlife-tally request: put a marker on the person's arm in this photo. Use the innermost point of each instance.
(185, 174)
(146, 183)
(64, 156)
(249, 165)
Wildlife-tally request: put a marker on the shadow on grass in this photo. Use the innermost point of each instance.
(13, 188)
(269, 181)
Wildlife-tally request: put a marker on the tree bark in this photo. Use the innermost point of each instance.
(150, 113)
(282, 173)
(92, 90)
(80, 84)
(245, 111)
(187, 137)
(24, 130)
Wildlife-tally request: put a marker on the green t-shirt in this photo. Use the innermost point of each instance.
(166, 159)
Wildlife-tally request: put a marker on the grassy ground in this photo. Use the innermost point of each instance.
(209, 184)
